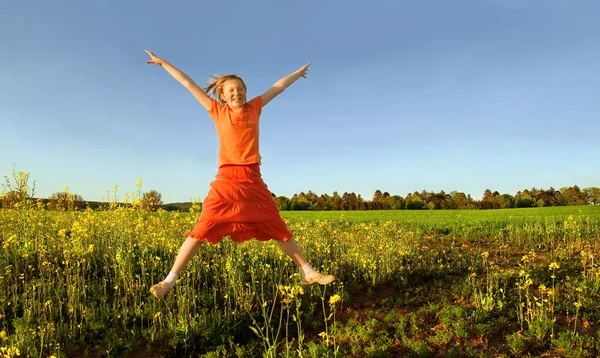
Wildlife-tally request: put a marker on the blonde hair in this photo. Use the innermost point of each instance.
(215, 87)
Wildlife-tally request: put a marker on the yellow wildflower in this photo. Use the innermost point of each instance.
(334, 299)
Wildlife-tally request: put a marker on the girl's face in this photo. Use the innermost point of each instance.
(234, 93)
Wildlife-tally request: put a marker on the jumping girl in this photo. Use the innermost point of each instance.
(238, 203)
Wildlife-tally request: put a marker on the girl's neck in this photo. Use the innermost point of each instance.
(238, 109)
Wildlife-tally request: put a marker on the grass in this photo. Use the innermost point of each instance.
(410, 283)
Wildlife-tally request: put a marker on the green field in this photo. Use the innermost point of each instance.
(506, 283)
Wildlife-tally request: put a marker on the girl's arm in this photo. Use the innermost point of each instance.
(283, 83)
(184, 79)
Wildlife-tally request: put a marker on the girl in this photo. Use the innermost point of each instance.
(239, 203)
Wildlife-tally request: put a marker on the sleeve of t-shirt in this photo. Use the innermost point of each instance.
(214, 109)
(256, 104)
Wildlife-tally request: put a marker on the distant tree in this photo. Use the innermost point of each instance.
(394, 202)
(382, 201)
(327, 201)
(360, 203)
(523, 200)
(300, 203)
(574, 196)
(312, 199)
(350, 200)
(346, 201)
(506, 201)
(336, 201)
(414, 202)
(555, 197)
(548, 197)
(283, 203)
(437, 200)
(490, 200)
(535, 194)
(65, 201)
(304, 201)
(487, 194)
(377, 195)
(459, 200)
(151, 200)
(592, 194)
(319, 204)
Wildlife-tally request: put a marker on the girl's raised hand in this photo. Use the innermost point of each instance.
(304, 70)
(154, 59)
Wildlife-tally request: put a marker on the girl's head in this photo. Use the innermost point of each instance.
(229, 89)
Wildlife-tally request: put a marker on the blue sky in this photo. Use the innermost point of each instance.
(401, 95)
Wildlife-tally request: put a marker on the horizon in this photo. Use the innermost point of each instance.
(32, 184)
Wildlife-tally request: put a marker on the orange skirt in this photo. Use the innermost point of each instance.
(239, 204)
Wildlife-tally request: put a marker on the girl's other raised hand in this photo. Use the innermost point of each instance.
(154, 59)
(304, 70)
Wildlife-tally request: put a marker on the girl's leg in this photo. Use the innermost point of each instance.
(307, 273)
(292, 249)
(188, 249)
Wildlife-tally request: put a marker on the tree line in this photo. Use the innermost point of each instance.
(567, 196)
(16, 192)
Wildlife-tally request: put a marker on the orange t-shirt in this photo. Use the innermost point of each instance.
(237, 132)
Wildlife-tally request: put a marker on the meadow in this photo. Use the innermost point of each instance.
(455, 283)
